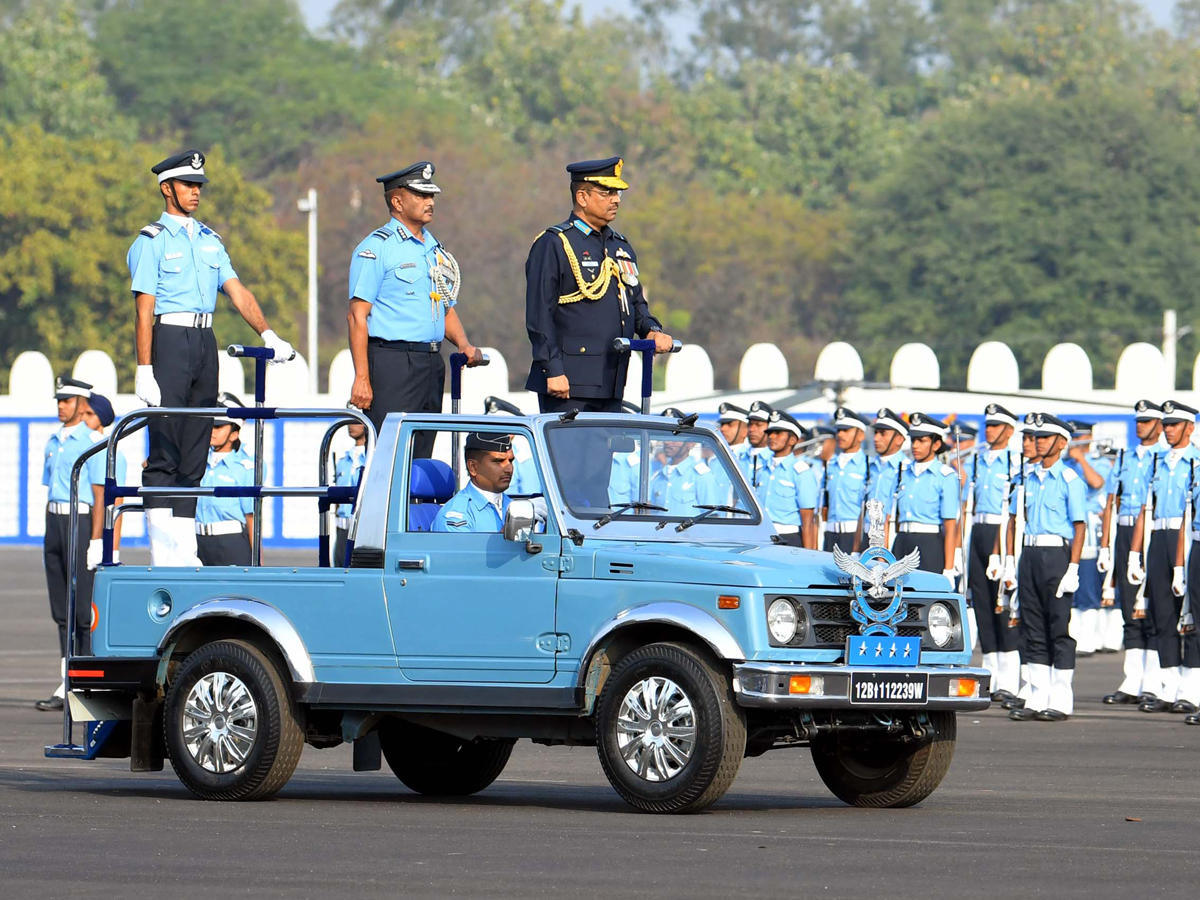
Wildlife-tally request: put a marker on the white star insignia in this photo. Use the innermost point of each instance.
(907, 650)
(893, 651)
(862, 649)
(879, 649)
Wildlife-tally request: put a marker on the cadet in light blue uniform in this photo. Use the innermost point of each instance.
(525, 481)
(733, 422)
(682, 482)
(1169, 493)
(927, 499)
(1095, 470)
(883, 474)
(403, 290)
(480, 506)
(224, 524)
(845, 484)
(1187, 699)
(756, 461)
(791, 494)
(1128, 485)
(1055, 520)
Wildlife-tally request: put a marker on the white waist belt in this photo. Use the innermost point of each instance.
(848, 527)
(787, 529)
(229, 526)
(987, 519)
(1126, 521)
(1044, 540)
(919, 528)
(64, 509)
(1196, 535)
(343, 522)
(1168, 524)
(187, 320)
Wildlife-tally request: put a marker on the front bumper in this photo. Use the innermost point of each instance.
(766, 686)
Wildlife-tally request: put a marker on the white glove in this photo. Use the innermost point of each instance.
(283, 350)
(994, 569)
(1178, 588)
(1135, 575)
(1103, 560)
(95, 553)
(958, 560)
(949, 574)
(1070, 581)
(1010, 573)
(146, 387)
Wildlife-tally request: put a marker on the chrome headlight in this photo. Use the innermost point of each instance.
(782, 620)
(941, 624)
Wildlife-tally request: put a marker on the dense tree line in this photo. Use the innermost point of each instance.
(876, 171)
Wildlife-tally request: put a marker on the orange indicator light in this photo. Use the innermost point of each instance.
(725, 602)
(964, 687)
(800, 684)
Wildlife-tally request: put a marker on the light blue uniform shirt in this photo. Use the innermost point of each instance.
(681, 486)
(992, 473)
(1132, 477)
(1096, 497)
(756, 464)
(232, 469)
(884, 474)
(347, 473)
(1172, 479)
(390, 269)
(470, 510)
(62, 450)
(791, 487)
(623, 481)
(928, 496)
(182, 273)
(1055, 499)
(525, 474)
(846, 486)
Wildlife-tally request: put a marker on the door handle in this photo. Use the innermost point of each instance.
(410, 564)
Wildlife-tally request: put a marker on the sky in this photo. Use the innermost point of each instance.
(317, 11)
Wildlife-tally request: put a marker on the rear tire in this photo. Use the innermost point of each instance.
(440, 764)
(231, 729)
(887, 773)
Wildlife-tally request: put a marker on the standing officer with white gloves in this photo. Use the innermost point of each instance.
(1055, 518)
(177, 265)
(1169, 495)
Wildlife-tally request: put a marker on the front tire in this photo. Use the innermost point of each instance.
(231, 730)
(864, 771)
(669, 733)
(433, 762)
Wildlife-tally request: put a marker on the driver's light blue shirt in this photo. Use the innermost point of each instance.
(470, 510)
(391, 270)
(182, 272)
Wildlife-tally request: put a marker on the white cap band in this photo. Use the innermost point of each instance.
(179, 171)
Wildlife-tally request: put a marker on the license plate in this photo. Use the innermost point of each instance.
(908, 688)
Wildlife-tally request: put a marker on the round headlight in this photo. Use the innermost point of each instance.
(781, 620)
(941, 624)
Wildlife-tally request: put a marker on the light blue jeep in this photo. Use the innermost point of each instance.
(616, 609)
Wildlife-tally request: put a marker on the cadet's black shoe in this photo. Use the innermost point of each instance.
(1154, 706)
(1079, 653)
(54, 704)
(1184, 707)
(1119, 698)
(1015, 703)
(1022, 715)
(1146, 697)
(1193, 719)
(1003, 696)
(1052, 715)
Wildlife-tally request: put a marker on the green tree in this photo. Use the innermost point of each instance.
(49, 74)
(70, 208)
(1032, 222)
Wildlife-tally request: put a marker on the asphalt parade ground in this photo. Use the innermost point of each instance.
(1106, 805)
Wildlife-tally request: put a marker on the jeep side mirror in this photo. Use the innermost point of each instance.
(518, 520)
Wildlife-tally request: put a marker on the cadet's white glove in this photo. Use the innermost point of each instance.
(1135, 575)
(994, 569)
(1070, 581)
(949, 575)
(1103, 560)
(283, 350)
(1178, 588)
(146, 387)
(1010, 573)
(95, 553)
(958, 561)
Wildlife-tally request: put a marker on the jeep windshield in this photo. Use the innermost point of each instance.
(648, 473)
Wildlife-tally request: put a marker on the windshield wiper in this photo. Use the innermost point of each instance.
(708, 511)
(622, 508)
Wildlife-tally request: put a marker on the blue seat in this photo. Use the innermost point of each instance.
(431, 484)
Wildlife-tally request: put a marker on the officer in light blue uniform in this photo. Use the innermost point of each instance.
(845, 484)
(525, 481)
(889, 434)
(791, 492)
(403, 291)
(224, 524)
(756, 462)
(1094, 469)
(927, 499)
(481, 505)
(1055, 520)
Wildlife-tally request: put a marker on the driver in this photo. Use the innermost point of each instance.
(480, 506)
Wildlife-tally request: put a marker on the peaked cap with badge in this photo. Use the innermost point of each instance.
(760, 411)
(888, 419)
(488, 441)
(727, 412)
(922, 425)
(782, 421)
(417, 177)
(843, 417)
(187, 166)
(65, 388)
(995, 414)
(1174, 411)
(604, 172)
(1147, 410)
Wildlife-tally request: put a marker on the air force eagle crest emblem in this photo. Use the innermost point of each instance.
(877, 578)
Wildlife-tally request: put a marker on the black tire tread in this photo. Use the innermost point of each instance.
(484, 760)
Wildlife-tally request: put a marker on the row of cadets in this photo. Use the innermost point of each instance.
(791, 487)
(84, 415)
(1166, 506)
(347, 472)
(989, 489)
(1095, 469)
(1128, 487)
(757, 460)
(1055, 519)
(927, 499)
(843, 492)
(224, 525)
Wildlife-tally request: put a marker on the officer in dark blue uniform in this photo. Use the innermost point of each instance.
(583, 290)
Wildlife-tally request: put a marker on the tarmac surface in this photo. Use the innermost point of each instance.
(1105, 805)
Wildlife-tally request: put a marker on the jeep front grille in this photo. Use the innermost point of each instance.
(829, 622)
